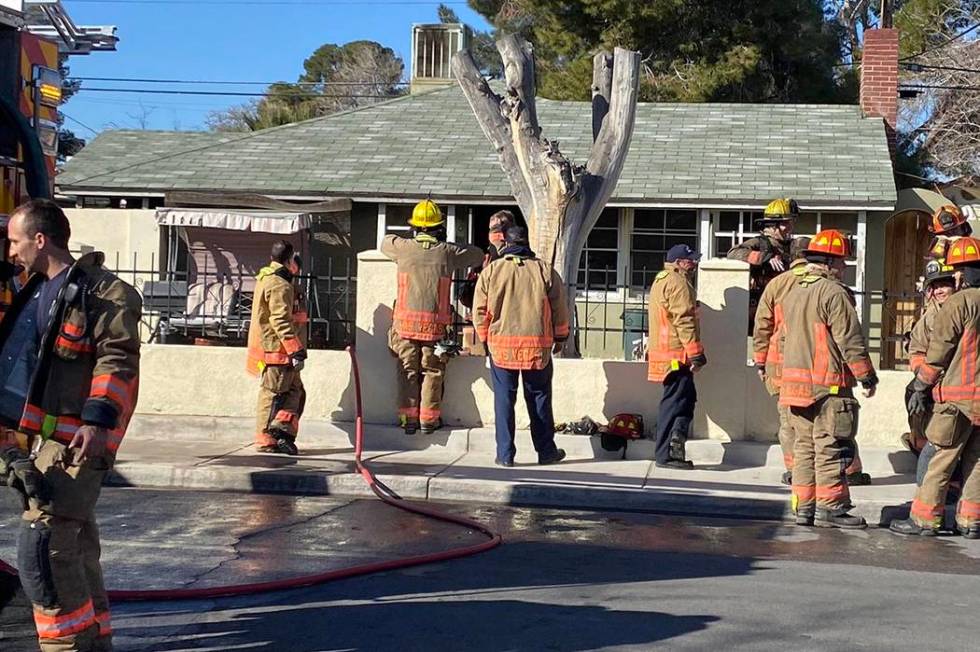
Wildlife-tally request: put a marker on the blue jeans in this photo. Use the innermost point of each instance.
(537, 395)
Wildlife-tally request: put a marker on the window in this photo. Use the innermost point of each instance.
(598, 264)
(733, 227)
(396, 218)
(654, 232)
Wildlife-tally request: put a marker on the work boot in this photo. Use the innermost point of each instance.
(804, 517)
(429, 428)
(838, 518)
(972, 532)
(268, 448)
(858, 479)
(410, 428)
(787, 478)
(505, 463)
(287, 446)
(909, 526)
(554, 458)
(677, 449)
(682, 465)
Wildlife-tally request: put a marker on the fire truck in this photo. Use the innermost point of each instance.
(35, 36)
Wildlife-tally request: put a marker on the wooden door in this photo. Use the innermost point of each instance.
(906, 246)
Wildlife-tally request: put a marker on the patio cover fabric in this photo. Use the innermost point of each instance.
(234, 220)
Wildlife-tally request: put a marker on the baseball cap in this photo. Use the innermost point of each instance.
(681, 252)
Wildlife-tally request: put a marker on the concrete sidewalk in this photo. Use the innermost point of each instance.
(731, 479)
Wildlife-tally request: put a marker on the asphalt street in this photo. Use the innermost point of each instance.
(563, 580)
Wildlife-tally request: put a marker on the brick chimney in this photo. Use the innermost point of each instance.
(879, 78)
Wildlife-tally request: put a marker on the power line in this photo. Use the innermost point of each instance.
(158, 91)
(953, 38)
(79, 122)
(147, 80)
(917, 67)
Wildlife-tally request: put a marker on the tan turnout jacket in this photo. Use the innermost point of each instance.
(520, 311)
(675, 335)
(754, 251)
(920, 336)
(952, 354)
(824, 350)
(275, 332)
(425, 272)
(88, 361)
(769, 324)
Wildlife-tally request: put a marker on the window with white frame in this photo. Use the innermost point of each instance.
(653, 233)
(597, 268)
(735, 227)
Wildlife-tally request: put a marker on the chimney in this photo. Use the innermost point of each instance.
(879, 78)
(433, 47)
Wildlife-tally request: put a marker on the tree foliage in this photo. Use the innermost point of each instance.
(335, 78)
(693, 50)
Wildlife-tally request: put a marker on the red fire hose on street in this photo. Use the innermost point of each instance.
(381, 490)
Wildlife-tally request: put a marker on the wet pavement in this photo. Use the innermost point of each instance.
(563, 580)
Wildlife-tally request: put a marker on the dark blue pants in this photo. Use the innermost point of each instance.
(676, 410)
(537, 395)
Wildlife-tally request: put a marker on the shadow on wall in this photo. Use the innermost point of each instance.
(722, 383)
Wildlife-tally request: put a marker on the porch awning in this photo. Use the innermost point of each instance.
(235, 220)
(920, 199)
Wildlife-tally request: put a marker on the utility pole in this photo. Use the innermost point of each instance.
(886, 14)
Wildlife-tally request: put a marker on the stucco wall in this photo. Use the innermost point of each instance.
(733, 403)
(118, 233)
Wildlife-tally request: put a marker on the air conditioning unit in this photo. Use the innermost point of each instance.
(433, 47)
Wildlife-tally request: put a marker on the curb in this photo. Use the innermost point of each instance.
(714, 503)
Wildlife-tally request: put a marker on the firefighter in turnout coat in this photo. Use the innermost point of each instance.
(950, 373)
(824, 356)
(675, 353)
(70, 362)
(277, 352)
(766, 337)
(768, 254)
(521, 313)
(423, 314)
(948, 225)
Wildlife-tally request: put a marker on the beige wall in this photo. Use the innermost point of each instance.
(733, 404)
(118, 233)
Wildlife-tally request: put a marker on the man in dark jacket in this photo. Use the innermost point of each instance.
(70, 363)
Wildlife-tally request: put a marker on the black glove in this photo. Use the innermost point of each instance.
(871, 381)
(698, 360)
(919, 399)
(18, 472)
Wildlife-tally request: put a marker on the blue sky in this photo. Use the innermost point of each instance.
(240, 42)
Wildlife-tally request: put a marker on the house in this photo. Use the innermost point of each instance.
(695, 173)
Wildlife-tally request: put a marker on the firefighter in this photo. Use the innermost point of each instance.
(499, 223)
(70, 359)
(521, 314)
(423, 314)
(675, 353)
(277, 352)
(768, 254)
(766, 337)
(950, 372)
(824, 356)
(938, 285)
(948, 224)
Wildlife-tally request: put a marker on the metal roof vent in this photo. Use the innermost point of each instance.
(433, 47)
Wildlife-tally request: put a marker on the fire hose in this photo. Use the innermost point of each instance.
(380, 489)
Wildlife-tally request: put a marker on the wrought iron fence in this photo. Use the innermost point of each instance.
(214, 306)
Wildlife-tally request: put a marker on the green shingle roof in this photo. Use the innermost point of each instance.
(431, 143)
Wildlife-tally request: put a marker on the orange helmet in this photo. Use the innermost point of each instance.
(946, 218)
(963, 251)
(830, 242)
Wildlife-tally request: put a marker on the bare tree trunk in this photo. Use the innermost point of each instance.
(560, 200)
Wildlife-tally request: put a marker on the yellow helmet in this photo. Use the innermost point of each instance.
(426, 215)
(781, 209)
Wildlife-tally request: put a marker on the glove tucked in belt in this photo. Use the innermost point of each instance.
(18, 472)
